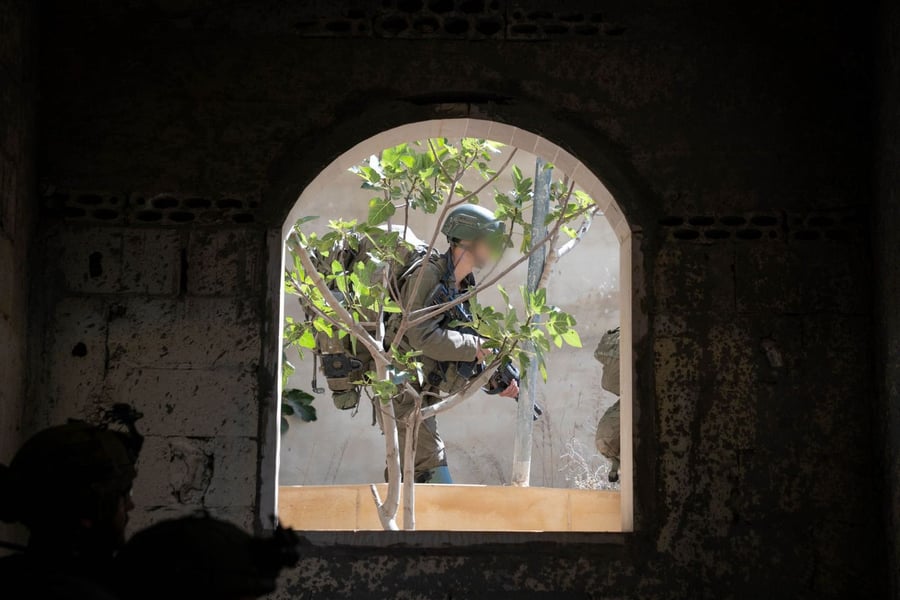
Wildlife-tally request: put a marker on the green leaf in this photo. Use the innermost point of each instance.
(504, 294)
(583, 198)
(300, 404)
(516, 175)
(307, 339)
(380, 210)
(285, 425)
(543, 369)
(572, 338)
(305, 219)
(323, 326)
(296, 395)
(307, 413)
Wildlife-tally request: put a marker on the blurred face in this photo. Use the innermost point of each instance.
(483, 253)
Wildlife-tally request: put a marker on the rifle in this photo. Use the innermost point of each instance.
(455, 318)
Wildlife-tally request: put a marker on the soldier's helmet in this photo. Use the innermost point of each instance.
(202, 557)
(469, 222)
(67, 472)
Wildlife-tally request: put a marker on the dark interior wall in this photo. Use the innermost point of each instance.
(736, 140)
(18, 43)
(17, 95)
(887, 252)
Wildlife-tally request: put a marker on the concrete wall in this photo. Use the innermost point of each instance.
(340, 448)
(18, 44)
(166, 318)
(730, 134)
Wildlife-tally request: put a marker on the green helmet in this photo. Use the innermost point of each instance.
(471, 222)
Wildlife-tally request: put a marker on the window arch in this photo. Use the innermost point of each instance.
(564, 161)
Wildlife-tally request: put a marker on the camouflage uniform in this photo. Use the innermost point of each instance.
(438, 345)
(607, 437)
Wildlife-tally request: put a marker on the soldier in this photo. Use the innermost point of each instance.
(473, 233)
(607, 437)
(200, 557)
(70, 486)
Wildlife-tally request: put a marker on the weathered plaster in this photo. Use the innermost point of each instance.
(755, 435)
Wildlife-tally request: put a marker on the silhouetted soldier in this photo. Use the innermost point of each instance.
(201, 557)
(70, 485)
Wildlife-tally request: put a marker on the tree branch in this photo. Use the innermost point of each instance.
(305, 301)
(387, 510)
(404, 322)
(557, 253)
(417, 283)
(388, 524)
(422, 315)
(410, 443)
(487, 181)
(452, 400)
(342, 313)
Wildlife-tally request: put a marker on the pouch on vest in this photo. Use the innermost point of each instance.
(341, 369)
(343, 365)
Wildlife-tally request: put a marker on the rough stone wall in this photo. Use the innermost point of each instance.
(17, 89)
(731, 135)
(886, 218)
(167, 318)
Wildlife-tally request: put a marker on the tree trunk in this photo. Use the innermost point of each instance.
(521, 471)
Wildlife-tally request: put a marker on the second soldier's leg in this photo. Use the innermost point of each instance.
(607, 439)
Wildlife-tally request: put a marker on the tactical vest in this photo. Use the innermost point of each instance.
(447, 376)
(345, 362)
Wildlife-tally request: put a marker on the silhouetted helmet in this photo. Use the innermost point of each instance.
(202, 557)
(66, 472)
(471, 222)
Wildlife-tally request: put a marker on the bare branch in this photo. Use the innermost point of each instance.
(389, 508)
(388, 524)
(453, 399)
(557, 253)
(410, 443)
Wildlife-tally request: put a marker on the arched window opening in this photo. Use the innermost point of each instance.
(327, 465)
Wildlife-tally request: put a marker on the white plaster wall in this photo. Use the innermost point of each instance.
(344, 448)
